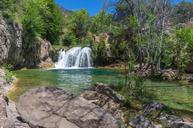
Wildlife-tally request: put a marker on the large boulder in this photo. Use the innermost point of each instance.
(54, 108)
(103, 96)
(45, 49)
(44, 56)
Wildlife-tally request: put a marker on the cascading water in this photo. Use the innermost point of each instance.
(76, 57)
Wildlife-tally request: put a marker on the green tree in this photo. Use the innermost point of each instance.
(183, 12)
(102, 22)
(178, 48)
(78, 24)
(53, 19)
(9, 9)
(41, 19)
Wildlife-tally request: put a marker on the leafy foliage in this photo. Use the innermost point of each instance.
(42, 18)
(8, 72)
(179, 45)
(183, 12)
(9, 9)
(102, 22)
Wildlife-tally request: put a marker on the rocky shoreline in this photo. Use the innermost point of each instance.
(8, 113)
(79, 112)
(98, 107)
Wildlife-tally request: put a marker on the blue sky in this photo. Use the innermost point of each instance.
(92, 6)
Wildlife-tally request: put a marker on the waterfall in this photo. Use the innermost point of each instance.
(76, 57)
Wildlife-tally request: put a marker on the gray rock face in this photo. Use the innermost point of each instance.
(8, 117)
(12, 48)
(55, 108)
(45, 49)
(15, 52)
(4, 40)
(3, 114)
(10, 42)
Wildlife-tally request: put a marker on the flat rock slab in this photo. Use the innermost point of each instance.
(54, 108)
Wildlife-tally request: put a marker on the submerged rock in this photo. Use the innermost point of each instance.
(54, 108)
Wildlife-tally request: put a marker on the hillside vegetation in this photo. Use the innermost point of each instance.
(155, 34)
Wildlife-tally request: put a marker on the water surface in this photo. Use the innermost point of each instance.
(77, 80)
(73, 80)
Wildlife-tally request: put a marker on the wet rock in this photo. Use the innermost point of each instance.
(141, 122)
(55, 108)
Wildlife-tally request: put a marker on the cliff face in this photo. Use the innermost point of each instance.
(39, 55)
(4, 40)
(10, 43)
(12, 50)
(15, 51)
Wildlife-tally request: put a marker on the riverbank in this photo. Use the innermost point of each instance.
(133, 112)
(9, 115)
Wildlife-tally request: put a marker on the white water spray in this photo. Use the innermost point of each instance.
(76, 57)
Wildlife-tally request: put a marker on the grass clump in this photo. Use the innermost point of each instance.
(8, 72)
